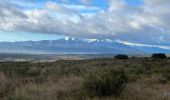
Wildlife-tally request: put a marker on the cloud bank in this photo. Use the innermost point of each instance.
(146, 23)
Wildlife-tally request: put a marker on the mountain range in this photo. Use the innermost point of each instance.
(70, 45)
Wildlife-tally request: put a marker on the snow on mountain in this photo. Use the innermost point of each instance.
(91, 40)
(71, 45)
(69, 38)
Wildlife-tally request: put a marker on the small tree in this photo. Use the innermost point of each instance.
(159, 55)
(121, 56)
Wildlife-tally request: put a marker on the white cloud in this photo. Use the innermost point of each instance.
(143, 45)
(145, 23)
(59, 8)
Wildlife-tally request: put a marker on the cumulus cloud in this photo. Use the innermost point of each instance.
(59, 8)
(9, 9)
(147, 23)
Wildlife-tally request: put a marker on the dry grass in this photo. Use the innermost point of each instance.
(143, 91)
(63, 89)
(148, 79)
(5, 85)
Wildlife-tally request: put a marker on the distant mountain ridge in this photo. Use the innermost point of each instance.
(70, 45)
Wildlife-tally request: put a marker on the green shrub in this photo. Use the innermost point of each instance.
(121, 56)
(159, 55)
(167, 75)
(14, 98)
(105, 83)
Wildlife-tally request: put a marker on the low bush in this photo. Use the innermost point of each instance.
(105, 83)
(121, 56)
(159, 55)
(166, 75)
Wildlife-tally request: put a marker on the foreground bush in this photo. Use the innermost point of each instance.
(121, 56)
(105, 83)
(159, 55)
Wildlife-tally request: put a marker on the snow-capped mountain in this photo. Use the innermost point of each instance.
(70, 45)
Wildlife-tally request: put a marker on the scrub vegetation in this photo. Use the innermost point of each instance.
(117, 78)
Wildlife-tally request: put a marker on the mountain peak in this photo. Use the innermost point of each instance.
(91, 40)
(69, 38)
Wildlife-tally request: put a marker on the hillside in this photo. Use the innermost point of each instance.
(70, 45)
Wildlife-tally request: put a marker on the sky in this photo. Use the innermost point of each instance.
(134, 21)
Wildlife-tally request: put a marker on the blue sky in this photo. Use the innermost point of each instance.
(137, 21)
